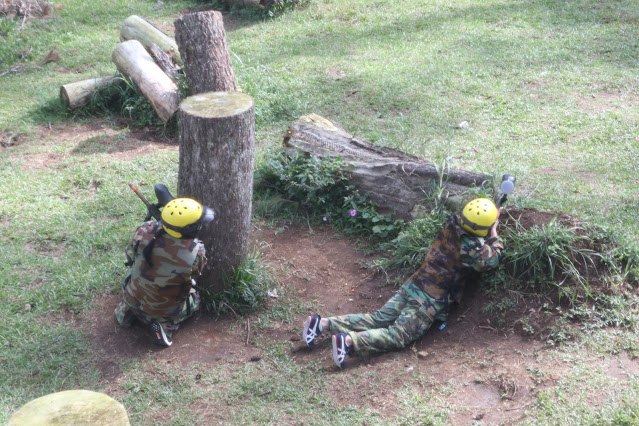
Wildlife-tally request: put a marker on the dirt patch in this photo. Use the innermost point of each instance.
(94, 137)
(8, 139)
(484, 367)
(606, 101)
(529, 218)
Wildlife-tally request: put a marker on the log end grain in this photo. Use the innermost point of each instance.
(217, 104)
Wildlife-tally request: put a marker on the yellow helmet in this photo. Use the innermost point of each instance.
(183, 217)
(479, 216)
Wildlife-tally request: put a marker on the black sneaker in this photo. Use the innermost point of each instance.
(160, 337)
(311, 330)
(341, 349)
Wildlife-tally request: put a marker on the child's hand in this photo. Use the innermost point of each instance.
(493, 229)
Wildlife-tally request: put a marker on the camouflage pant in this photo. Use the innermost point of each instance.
(403, 319)
(127, 314)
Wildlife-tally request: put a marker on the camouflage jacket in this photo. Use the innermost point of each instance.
(452, 257)
(160, 290)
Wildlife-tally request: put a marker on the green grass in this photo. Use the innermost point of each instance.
(549, 88)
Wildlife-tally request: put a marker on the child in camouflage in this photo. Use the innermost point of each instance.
(162, 258)
(465, 244)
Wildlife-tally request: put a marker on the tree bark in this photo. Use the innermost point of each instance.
(394, 180)
(134, 61)
(164, 61)
(202, 42)
(136, 28)
(217, 150)
(75, 95)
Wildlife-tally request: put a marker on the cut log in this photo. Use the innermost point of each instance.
(135, 62)
(164, 61)
(136, 28)
(394, 180)
(75, 95)
(207, 63)
(217, 146)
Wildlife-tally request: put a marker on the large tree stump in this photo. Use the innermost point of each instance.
(134, 61)
(395, 181)
(217, 146)
(73, 407)
(136, 28)
(202, 42)
(75, 95)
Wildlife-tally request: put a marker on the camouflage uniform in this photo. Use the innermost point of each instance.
(454, 255)
(161, 292)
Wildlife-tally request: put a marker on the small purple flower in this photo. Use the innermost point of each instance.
(353, 213)
(324, 219)
(318, 155)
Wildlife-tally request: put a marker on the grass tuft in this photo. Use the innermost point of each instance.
(244, 291)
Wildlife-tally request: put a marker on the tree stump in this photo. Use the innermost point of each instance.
(74, 407)
(202, 42)
(217, 147)
(134, 61)
(394, 180)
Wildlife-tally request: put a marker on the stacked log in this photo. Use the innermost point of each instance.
(136, 28)
(134, 61)
(155, 78)
(78, 94)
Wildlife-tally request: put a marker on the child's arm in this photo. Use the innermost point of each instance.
(479, 253)
(482, 254)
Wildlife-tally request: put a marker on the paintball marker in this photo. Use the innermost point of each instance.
(163, 195)
(507, 186)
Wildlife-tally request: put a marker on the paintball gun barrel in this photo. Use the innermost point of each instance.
(163, 195)
(507, 186)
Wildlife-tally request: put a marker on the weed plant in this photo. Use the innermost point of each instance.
(122, 98)
(552, 255)
(317, 188)
(266, 8)
(575, 261)
(244, 291)
(407, 250)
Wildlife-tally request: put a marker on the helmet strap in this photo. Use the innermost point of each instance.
(473, 225)
(188, 231)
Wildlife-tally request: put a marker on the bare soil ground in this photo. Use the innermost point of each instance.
(486, 367)
(486, 373)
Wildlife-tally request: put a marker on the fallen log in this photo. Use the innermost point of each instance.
(136, 28)
(75, 95)
(135, 62)
(164, 61)
(394, 180)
